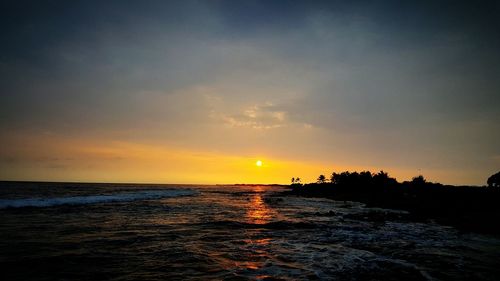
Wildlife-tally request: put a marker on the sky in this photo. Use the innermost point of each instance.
(198, 91)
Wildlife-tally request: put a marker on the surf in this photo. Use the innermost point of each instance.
(93, 199)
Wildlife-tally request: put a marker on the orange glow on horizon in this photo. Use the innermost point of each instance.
(58, 158)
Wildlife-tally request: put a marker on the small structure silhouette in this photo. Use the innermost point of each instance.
(494, 180)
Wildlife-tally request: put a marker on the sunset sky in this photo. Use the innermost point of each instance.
(198, 91)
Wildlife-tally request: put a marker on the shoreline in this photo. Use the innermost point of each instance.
(468, 209)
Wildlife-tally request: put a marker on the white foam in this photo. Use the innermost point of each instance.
(92, 199)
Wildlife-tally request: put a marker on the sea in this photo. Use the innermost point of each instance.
(88, 231)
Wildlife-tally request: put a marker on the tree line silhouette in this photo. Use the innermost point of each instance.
(367, 179)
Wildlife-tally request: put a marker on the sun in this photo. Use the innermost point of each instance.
(258, 163)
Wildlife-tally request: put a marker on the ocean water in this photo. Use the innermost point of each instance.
(68, 231)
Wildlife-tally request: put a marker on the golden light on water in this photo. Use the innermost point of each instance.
(257, 210)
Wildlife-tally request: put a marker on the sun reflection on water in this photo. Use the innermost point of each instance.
(257, 210)
(253, 242)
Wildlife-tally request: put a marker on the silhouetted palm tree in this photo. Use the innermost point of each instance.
(321, 179)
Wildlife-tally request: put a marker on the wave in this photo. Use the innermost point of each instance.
(275, 225)
(92, 199)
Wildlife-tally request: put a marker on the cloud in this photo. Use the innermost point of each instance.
(259, 117)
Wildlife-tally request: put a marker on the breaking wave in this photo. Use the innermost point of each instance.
(92, 199)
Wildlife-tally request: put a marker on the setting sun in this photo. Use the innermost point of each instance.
(258, 163)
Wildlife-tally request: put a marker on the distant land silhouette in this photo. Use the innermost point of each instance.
(468, 208)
